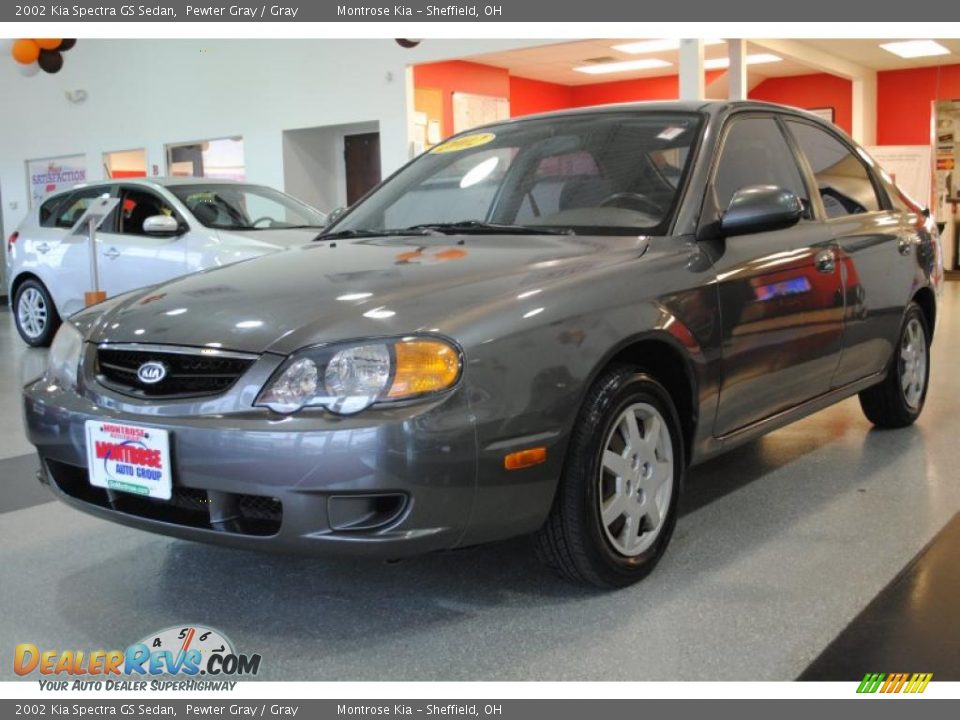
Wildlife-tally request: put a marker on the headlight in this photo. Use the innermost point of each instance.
(64, 358)
(351, 378)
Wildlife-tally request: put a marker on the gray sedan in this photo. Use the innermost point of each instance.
(534, 327)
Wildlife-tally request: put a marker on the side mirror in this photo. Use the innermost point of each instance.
(760, 208)
(161, 225)
(335, 215)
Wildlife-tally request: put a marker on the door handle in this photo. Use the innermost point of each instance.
(43, 248)
(111, 253)
(905, 244)
(825, 261)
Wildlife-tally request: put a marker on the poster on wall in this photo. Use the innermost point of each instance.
(49, 175)
(470, 111)
(910, 166)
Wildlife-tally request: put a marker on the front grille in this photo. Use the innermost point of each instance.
(191, 507)
(191, 372)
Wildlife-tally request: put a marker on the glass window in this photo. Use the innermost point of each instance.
(605, 172)
(67, 214)
(125, 164)
(47, 209)
(755, 152)
(221, 159)
(136, 206)
(842, 178)
(246, 207)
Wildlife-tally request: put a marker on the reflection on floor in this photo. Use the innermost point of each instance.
(781, 544)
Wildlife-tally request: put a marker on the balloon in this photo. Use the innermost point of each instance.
(66, 45)
(25, 51)
(50, 61)
(46, 44)
(28, 70)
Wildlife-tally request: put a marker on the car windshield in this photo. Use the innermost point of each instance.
(599, 173)
(246, 207)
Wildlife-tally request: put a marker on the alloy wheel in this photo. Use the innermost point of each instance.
(913, 363)
(636, 479)
(32, 312)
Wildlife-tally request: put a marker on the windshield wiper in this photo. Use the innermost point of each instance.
(341, 234)
(489, 228)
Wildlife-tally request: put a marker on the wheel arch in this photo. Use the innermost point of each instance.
(664, 358)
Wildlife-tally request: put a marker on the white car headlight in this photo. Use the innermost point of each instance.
(63, 361)
(346, 379)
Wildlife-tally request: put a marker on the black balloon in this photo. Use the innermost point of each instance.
(50, 61)
(66, 45)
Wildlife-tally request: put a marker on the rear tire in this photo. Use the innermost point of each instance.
(898, 400)
(616, 504)
(35, 314)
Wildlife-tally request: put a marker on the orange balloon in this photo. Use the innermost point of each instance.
(47, 44)
(25, 51)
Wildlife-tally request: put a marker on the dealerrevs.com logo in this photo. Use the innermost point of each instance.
(181, 651)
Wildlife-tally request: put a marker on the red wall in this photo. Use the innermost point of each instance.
(811, 91)
(904, 102)
(533, 96)
(461, 76)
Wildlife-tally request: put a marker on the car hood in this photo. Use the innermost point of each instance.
(271, 239)
(357, 288)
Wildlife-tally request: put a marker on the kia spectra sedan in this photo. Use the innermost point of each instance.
(535, 327)
(162, 228)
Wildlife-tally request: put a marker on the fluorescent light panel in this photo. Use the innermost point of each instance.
(649, 46)
(624, 66)
(724, 62)
(915, 48)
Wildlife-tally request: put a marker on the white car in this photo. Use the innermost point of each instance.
(162, 228)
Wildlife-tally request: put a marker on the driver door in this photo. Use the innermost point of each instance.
(780, 292)
(129, 258)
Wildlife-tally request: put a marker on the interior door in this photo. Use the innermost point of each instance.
(877, 250)
(781, 309)
(361, 154)
(128, 257)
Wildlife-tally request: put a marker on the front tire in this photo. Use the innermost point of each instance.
(616, 505)
(35, 314)
(899, 399)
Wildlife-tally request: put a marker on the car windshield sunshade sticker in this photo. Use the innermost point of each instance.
(464, 143)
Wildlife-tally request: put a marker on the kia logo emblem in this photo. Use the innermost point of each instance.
(150, 373)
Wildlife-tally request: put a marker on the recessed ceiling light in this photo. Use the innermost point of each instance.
(724, 62)
(649, 46)
(624, 66)
(915, 48)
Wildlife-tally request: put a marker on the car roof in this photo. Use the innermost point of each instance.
(153, 182)
(709, 107)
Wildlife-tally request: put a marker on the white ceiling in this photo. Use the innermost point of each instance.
(555, 63)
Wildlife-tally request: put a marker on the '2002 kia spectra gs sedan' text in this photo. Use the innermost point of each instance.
(534, 327)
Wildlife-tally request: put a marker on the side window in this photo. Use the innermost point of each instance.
(72, 208)
(842, 178)
(136, 205)
(47, 209)
(755, 152)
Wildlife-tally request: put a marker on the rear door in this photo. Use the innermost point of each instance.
(63, 258)
(781, 309)
(877, 252)
(130, 258)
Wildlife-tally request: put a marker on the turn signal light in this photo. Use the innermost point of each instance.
(12, 240)
(423, 366)
(525, 458)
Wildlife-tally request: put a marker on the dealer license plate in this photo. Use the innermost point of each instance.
(129, 458)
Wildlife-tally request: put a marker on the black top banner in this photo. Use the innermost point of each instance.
(538, 11)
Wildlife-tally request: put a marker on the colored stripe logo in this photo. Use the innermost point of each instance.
(894, 683)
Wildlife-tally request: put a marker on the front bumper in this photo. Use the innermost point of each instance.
(387, 483)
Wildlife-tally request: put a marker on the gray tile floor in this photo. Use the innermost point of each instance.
(780, 544)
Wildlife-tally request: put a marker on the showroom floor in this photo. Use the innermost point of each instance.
(781, 545)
